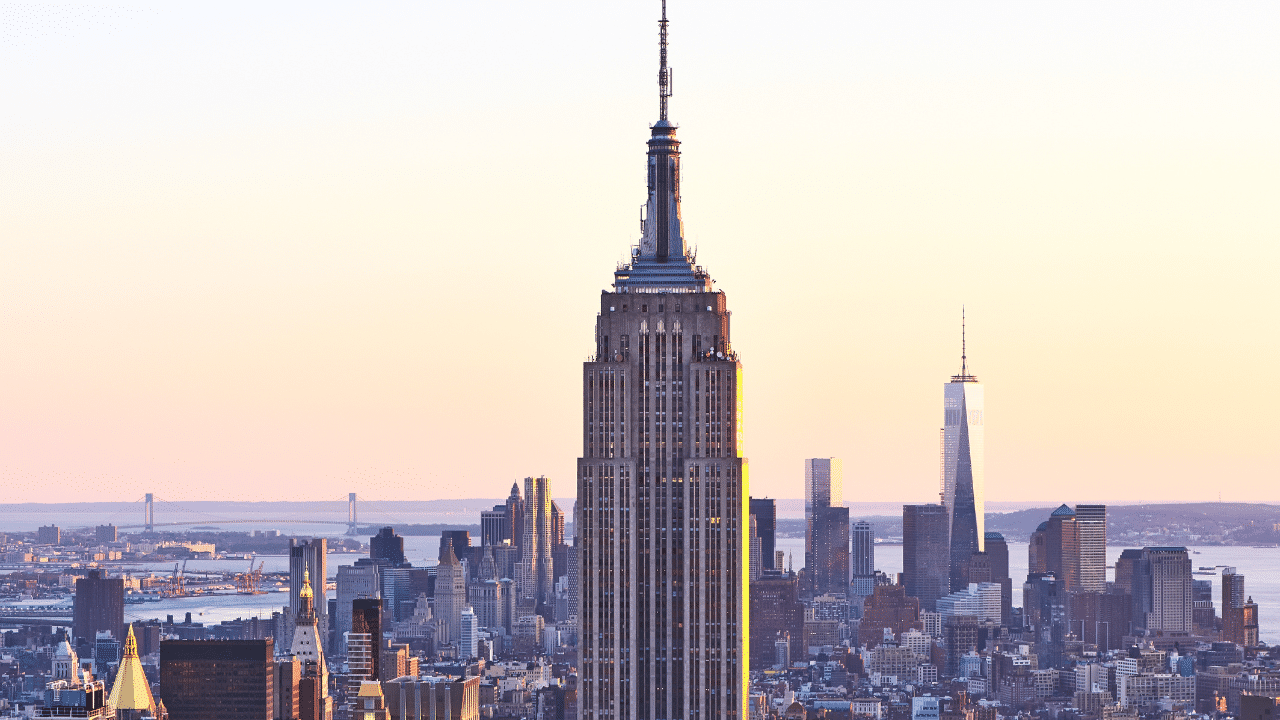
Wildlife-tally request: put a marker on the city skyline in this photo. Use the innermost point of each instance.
(237, 284)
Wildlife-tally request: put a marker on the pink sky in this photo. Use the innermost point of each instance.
(288, 253)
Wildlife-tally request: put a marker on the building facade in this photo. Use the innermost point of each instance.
(450, 597)
(99, 606)
(537, 578)
(1166, 590)
(218, 679)
(766, 513)
(823, 488)
(662, 488)
(1091, 532)
(387, 547)
(925, 556)
(776, 613)
(355, 582)
(863, 558)
(364, 644)
(830, 570)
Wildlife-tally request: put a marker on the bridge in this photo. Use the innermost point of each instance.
(12, 616)
(149, 523)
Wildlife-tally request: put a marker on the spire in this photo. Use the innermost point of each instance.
(306, 601)
(664, 72)
(130, 644)
(447, 555)
(306, 591)
(662, 262)
(131, 690)
(964, 376)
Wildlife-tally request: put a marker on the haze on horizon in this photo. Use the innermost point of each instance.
(292, 251)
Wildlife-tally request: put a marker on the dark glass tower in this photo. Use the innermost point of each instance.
(830, 571)
(766, 513)
(924, 553)
(99, 606)
(662, 488)
(388, 547)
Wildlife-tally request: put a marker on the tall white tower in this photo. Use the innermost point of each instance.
(469, 644)
(963, 464)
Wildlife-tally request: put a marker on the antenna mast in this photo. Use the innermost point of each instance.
(664, 72)
(964, 375)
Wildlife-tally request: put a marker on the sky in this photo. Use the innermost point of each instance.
(267, 251)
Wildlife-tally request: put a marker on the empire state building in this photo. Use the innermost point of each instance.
(662, 484)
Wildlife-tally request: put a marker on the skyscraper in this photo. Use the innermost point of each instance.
(662, 488)
(313, 675)
(924, 553)
(537, 579)
(776, 612)
(830, 570)
(1233, 601)
(766, 529)
(469, 643)
(358, 582)
(962, 464)
(1037, 553)
(1165, 586)
(364, 644)
(998, 551)
(218, 679)
(99, 605)
(494, 526)
(515, 515)
(823, 488)
(450, 595)
(754, 553)
(864, 549)
(1091, 532)
(387, 547)
(310, 556)
(1062, 547)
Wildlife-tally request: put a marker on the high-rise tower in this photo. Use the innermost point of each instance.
(962, 464)
(309, 557)
(823, 488)
(662, 487)
(537, 581)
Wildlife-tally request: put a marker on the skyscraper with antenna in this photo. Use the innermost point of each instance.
(963, 463)
(662, 514)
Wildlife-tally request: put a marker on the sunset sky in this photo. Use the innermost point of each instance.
(271, 251)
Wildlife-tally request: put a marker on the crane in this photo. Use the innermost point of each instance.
(175, 587)
(249, 583)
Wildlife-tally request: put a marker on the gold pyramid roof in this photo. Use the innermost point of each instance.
(131, 690)
(370, 688)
